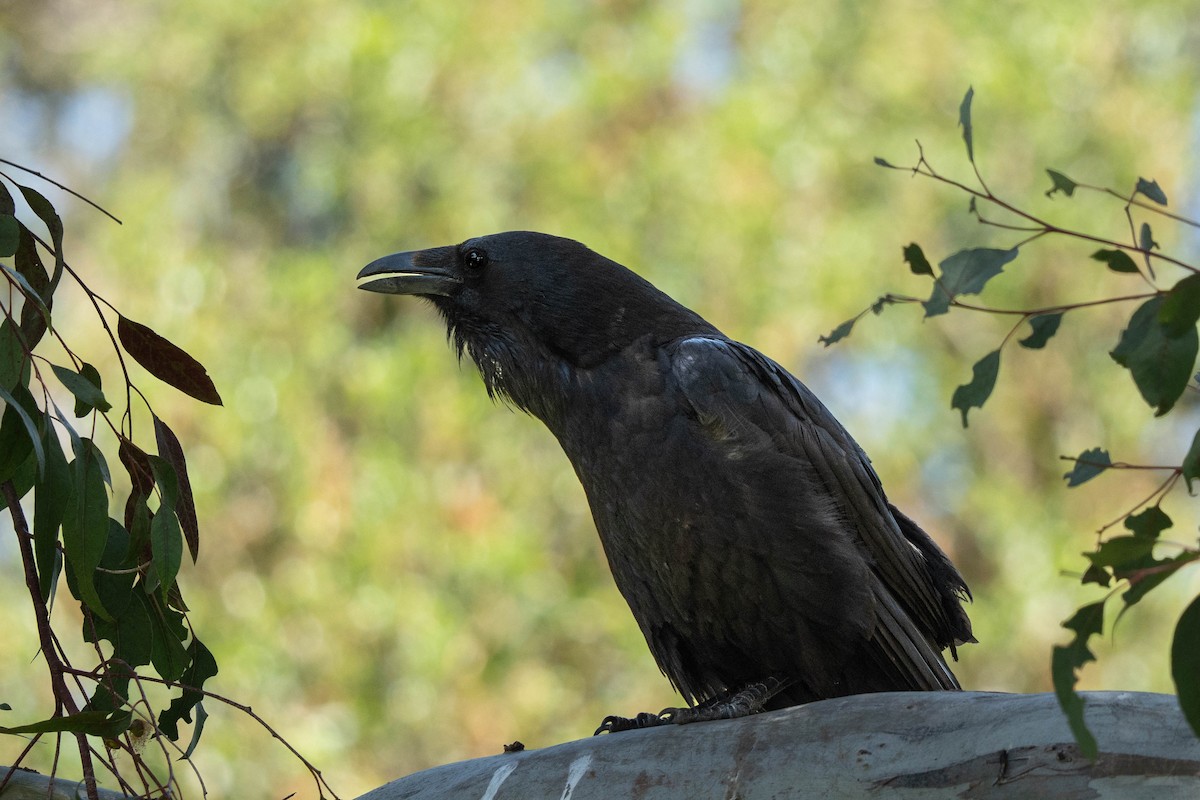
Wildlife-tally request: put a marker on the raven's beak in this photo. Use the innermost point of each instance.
(422, 272)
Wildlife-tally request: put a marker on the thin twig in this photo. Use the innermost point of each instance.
(66, 189)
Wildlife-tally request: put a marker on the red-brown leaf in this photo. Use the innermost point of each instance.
(166, 361)
(185, 507)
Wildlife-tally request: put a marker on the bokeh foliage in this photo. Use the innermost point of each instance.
(398, 574)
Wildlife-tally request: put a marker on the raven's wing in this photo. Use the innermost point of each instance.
(732, 387)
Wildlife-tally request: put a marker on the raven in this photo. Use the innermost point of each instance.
(745, 528)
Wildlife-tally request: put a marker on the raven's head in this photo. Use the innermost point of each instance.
(529, 307)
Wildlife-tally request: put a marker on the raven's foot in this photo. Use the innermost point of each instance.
(615, 724)
(749, 700)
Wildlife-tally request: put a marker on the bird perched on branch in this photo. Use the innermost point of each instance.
(744, 526)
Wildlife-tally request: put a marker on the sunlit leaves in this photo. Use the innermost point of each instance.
(1044, 327)
(1088, 465)
(166, 361)
(1161, 364)
(966, 272)
(983, 380)
(1185, 663)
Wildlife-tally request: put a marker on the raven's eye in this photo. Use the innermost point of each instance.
(475, 259)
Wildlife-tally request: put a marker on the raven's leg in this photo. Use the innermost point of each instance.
(749, 700)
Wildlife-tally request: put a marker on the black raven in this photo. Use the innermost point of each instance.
(744, 526)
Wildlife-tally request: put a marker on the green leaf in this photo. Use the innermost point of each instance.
(15, 444)
(45, 211)
(51, 498)
(1065, 663)
(1044, 326)
(1094, 574)
(167, 480)
(966, 272)
(114, 581)
(84, 387)
(137, 464)
(167, 655)
(1143, 581)
(838, 333)
(1160, 364)
(1185, 663)
(1181, 307)
(184, 504)
(112, 689)
(202, 667)
(1088, 465)
(166, 361)
(1191, 462)
(1149, 523)
(31, 295)
(1121, 551)
(915, 258)
(983, 380)
(14, 365)
(92, 723)
(197, 730)
(85, 526)
(166, 542)
(1117, 260)
(964, 119)
(1061, 184)
(1146, 238)
(1152, 190)
(131, 634)
(34, 315)
(10, 235)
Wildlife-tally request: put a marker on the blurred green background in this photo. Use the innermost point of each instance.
(394, 572)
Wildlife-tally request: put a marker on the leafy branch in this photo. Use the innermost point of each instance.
(1158, 346)
(124, 573)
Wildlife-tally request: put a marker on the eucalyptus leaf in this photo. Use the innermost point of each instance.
(983, 380)
(1185, 663)
(1044, 327)
(1061, 183)
(1160, 364)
